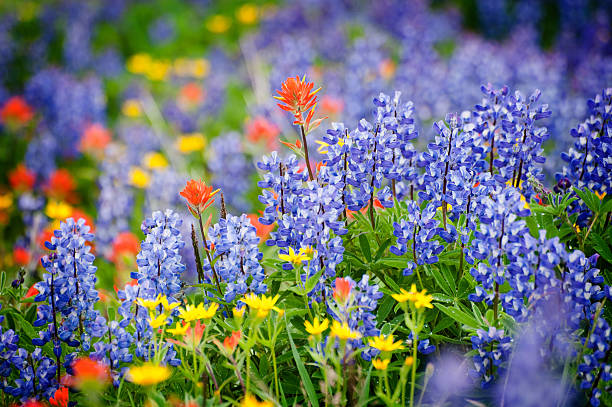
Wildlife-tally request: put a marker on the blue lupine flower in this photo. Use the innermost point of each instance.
(493, 348)
(238, 257)
(419, 229)
(114, 350)
(231, 170)
(69, 289)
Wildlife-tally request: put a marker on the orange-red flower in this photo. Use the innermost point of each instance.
(192, 337)
(60, 398)
(32, 291)
(231, 341)
(199, 196)
(21, 178)
(16, 110)
(296, 96)
(191, 93)
(60, 185)
(21, 256)
(125, 244)
(261, 129)
(88, 372)
(377, 204)
(332, 106)
(95, 138)
(262, 231)
(342, 290)
(32, 403)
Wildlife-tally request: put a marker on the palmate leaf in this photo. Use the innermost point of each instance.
(458, 315)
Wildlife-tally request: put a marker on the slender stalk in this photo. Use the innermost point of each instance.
(415, 342)
(306, 157)
(212, 266)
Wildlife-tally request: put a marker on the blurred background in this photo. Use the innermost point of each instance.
(107, 107)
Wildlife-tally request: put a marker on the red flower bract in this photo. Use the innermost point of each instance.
(342, 290)
(60, 184)
(89, 370)
(199, 196)
(296, 96)
(16, 110)
(21, 178)
(231, 341)
(21, 256)
(60, 398)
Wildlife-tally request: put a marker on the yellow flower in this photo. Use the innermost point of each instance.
(295, 258)
(343, 331)
(262, 304)
(139, 63)
(385, 344)
(191, 313)
(200, 68)
(179, 330)
(149, 304)
(131, 108)
(6, 201)
(167, 306)
(238, 313)
(139, 177)
(160, 320)
(420, 299)
(158, 71)
(409, 361)
(600, 195)
(58, 210)
(148, 374)
(315, 328)
(190, 143)
(247, 14)
(218, 24)
(154, 161)
(251, 401)
(381, 364)
(323, 146)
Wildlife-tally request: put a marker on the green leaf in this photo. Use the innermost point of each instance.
(365, 393)
(590, 199)
(385, 308)
(444, 279)
(442, 298)
(395, 262)
(443, 324)
(606, 205)
(460, 316)
(602, 247)
(310, 390)
(312, 281)
(382, 248)
(365, 248)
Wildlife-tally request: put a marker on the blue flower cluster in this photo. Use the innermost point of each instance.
(230, 170)
(588, 161)
(420, 228)
(493, 348)
(159, 271)
(306, 213)
(69, 292)
(238, 257)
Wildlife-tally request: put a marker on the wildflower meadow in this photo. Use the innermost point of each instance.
(305, 203)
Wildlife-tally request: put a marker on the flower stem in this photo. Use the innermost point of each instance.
(310, 173)
(415, 342)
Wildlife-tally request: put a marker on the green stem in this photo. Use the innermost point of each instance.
(415, 342)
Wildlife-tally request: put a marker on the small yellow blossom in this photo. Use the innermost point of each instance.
(148, 374)
(178, 330)
(131, 108)
(409, 361)
(262, 304)
(343, 331)
(139, 177)
(149, 304)
(295, 258)
(381, 364)
(200, 68)
(316, 327)
(251, 401)
(238, 313)
(139, 63)
(600, 195)
(158, 71)
(6, 201)
(247, 14)
(191, 313)
(323, 146)
(189, 143)
(385, 344)
(58, 210)
(218, 24)
(158, 321)
(155, 160)
(420, 299)
(167, 306)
